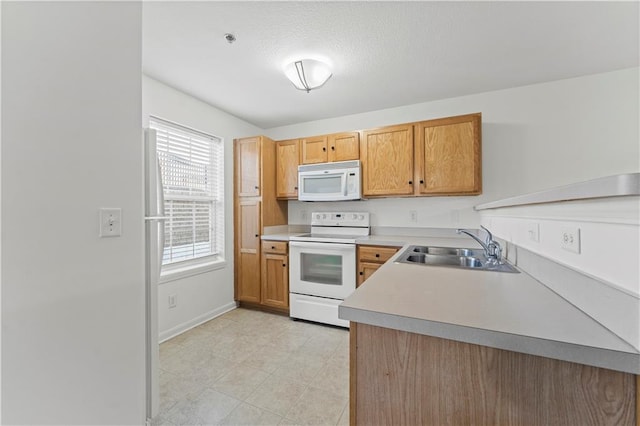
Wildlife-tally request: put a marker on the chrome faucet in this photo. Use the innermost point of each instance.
(492, 248)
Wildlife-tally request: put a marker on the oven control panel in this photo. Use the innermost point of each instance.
(351, 219)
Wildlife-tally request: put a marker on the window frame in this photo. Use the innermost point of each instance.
(212, 261)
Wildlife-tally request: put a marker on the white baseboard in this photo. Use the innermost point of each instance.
(188, 325)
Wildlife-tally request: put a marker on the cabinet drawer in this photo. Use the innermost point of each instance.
(376, 253)
(274, 247)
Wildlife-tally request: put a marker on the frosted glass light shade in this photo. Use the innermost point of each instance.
(307, 74)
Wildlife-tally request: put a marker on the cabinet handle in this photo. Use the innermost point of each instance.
(361, 273)
(257, 235)
(324, 148)
(377, 255)
(333, 148)
(273, 247)
(295, 187)
(255, 187)
(421, 182)
(284, 264)
(410, 182)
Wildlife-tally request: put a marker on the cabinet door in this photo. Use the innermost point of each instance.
(287, 160)
(376, 253)
(448, 156)
(248, 285)
(387, 161)
(275, 280)
(248, 166)
(344, 146)
(365, 270)
(314, 150)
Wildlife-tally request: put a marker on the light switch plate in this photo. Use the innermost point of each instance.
(110, 222)
(533, 231)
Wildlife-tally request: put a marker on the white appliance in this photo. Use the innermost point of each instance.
(154, 247)
(329, 181)
(322, 265)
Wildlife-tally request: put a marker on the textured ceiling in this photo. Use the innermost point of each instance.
(383, 54)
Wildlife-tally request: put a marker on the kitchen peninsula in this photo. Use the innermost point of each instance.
(436, 345)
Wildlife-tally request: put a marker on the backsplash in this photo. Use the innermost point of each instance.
(421, 212)
(586, 250)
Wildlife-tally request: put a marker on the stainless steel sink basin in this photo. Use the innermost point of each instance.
(452, 257)
(450, 251)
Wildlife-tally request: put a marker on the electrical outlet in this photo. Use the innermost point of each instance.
(533, 231)
(570, 239)
(413, 216)
(173, 301)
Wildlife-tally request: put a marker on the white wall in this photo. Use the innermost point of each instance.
(533, 138)
(73, 328)
(199, 297)
(608, 286)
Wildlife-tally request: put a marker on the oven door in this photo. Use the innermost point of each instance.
(322, 269)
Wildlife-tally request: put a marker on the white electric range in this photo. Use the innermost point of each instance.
(322, 265)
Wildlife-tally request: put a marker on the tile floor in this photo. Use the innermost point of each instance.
(253, 368)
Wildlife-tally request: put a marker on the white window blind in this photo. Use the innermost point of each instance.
(191, 163)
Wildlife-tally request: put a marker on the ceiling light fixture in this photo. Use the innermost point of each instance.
(307, 74)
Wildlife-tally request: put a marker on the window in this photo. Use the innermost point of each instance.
(191, 163)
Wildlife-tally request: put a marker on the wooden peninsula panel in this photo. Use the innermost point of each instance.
(401, 378)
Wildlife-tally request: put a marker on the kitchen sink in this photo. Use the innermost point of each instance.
(463, 258)
(449, 251)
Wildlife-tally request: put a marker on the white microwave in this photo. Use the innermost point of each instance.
(329, 181)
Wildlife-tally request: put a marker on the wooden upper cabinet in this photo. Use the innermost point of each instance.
(343, 146)
(329, 148)
(386, 155)
(313, 150)
(248, 167)
(448, 156)
(287, 161)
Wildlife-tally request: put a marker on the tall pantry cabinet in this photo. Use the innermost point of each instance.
(256, 207)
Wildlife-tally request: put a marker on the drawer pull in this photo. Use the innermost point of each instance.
(410, 182)
(377, 254)
(324, 148)
(273, 247)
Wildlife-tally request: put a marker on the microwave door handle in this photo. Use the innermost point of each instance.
(344, 183)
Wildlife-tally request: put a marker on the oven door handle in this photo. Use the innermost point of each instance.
(322, 246)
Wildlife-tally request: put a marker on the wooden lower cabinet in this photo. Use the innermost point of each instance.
(248, 240)
(401, 378)
(275, 274)
(370, 258)
(249, 278)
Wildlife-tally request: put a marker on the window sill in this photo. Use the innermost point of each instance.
(176, 273)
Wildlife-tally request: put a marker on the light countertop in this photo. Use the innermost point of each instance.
(501, 310)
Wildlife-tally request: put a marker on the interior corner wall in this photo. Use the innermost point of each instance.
(534, 138)
(73, 326)
(204, 296)
(0, 214)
